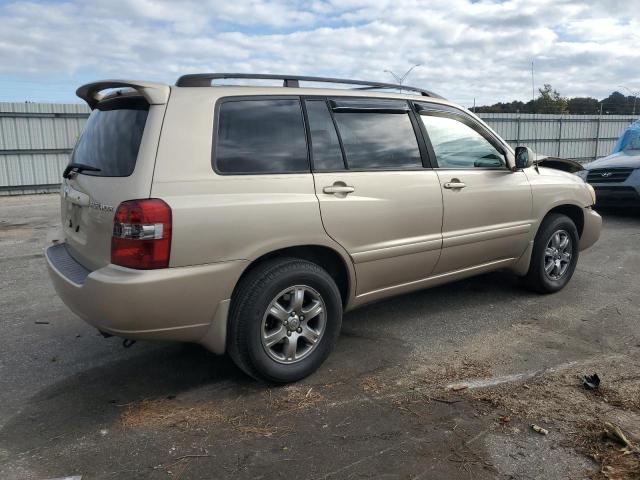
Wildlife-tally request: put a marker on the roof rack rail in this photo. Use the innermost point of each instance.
(205, 79)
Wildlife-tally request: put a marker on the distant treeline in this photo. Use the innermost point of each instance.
(550, 101)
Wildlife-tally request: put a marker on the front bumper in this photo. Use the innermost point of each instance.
(591, 229)
(176, 304)
(624, 192)
(617, 195)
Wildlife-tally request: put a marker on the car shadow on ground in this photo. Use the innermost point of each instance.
(475, 292)
(96, 396)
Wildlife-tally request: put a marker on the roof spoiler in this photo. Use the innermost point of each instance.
(154, 93)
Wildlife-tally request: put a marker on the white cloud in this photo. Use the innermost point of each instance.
(467, 49)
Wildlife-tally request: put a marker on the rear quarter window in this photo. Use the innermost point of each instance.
(260, 136)
(111, 137)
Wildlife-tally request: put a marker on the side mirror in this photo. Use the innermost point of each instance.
(524, 157)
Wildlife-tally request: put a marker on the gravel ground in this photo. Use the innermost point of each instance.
(443, 383)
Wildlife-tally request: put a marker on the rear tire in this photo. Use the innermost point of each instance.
(555, 254)
(269, 336)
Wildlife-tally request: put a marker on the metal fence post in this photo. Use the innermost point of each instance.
(595, 153)
(518, 134)
(559, 135)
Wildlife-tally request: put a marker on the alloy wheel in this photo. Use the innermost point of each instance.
(293, 324)
(557, 255)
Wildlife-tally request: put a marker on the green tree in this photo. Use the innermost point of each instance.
(550, 101)
(617, 104)
(583, 105)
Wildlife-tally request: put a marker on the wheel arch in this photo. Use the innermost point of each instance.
(334, 262)
(337, 263)
(573, 211)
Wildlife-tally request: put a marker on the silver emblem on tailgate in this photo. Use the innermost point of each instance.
(100, 206)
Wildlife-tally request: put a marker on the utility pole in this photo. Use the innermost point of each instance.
(595, 152)
(533, 87)
(533, 108)
(400, 79)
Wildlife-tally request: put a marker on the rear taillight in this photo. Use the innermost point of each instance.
(142, 234)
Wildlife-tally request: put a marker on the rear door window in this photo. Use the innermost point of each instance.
(111, 137)
(261, 136)
(377, 134)
(325, 146)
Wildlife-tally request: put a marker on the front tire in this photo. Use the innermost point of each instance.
(285, 318)
(555, 254)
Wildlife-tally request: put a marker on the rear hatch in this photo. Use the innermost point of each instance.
(112, 162)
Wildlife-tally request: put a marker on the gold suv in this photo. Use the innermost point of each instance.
(248, 219)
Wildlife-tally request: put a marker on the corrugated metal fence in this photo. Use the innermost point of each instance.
(579, 137)
(36, 139)
(35, 142)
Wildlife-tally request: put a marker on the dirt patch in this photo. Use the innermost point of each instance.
(432, 378)
(373, 384)
(293, 398)
(618, 459)
(441, 381)
(439, 376)
(559, 403)
(166, 413)
(163, 413)
(190, 414)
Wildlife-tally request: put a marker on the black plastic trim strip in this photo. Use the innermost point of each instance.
(205, 79)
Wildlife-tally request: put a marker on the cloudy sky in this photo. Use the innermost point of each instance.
(467, 49)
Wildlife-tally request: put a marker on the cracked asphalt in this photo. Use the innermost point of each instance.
(385, 405)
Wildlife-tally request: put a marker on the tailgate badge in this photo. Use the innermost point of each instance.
(100, 206)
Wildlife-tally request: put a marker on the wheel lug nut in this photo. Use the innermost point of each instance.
(299, 330)
(289, 333)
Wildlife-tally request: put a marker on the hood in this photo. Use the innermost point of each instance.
(624, 159)
(564, 164)
(546, 171)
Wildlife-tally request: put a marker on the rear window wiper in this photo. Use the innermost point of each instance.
(78, 167)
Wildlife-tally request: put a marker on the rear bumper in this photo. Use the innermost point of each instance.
(177, 304)
(591, 229)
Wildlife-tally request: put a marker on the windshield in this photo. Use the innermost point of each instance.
(111, 137)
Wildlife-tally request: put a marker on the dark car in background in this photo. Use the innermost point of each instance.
(616, 178)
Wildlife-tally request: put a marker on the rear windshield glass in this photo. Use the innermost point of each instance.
(111, 137)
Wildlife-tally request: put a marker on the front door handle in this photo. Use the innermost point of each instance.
(339, 188)
(455, 184)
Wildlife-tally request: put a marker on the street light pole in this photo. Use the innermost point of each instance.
(400, 79)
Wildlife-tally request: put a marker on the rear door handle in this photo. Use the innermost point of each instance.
(455, 184)
(339, 189)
